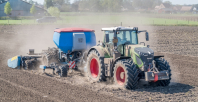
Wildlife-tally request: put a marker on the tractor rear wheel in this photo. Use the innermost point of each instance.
(126, 74)
(95, 67)
(162, 65)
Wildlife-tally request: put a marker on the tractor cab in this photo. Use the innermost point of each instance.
(123, 36)
(118, 37)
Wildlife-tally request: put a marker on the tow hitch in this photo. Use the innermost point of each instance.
(154, 75)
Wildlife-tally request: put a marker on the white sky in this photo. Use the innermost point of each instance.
(181, 2)
(42, 1)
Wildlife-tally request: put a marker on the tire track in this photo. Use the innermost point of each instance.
(73, 88)
(29, 89)
(51, 87)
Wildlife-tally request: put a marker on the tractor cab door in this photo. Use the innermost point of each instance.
(108, 42)
(120, 44)
(126, 37)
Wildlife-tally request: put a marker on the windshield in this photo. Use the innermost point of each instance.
(123, 37)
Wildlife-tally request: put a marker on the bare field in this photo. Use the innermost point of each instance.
(176, 43)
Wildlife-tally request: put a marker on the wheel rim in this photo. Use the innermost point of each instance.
(120, 75)
(94, 68)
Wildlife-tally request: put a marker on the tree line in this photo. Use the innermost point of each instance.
(53, 11)
(103, 5)
(117, 5)
(8, 9)
(54, 7)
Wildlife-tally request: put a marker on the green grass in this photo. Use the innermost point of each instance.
(127, 19)
(161, 21)
(17, 22)
(127, 13)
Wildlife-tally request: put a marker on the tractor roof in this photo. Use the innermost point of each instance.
(73, 30)
(118, 28)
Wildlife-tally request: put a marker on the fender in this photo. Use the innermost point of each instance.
(155, 57)
(119, 58)
(97, 48)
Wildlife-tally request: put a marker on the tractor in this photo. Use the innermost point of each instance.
(121, 58)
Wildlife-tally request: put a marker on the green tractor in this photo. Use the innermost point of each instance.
(120, 57)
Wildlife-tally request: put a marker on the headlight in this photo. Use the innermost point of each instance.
(140, 53)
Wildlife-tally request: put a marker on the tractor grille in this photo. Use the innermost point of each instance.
(147, 58)
(146, 55)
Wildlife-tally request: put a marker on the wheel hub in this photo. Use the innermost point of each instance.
(122, 75)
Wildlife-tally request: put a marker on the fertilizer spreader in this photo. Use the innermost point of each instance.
(72, 45)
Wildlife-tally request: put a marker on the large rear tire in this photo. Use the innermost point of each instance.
(162, 65)
(126, 74)
(95, 67)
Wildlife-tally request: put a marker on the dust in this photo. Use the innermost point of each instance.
(19, 39)
(36, 37)
(40, 36)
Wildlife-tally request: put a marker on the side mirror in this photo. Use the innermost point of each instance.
(147, 36)
(107, 38)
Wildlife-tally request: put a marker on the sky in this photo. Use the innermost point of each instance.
(42, 1)
(181, 2)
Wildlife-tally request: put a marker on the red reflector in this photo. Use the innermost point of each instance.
(156, 77)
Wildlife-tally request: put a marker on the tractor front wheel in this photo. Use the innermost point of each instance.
(95, 67)
(126, 74)
(162, 65)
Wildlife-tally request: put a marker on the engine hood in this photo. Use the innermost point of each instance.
(143, 50)
(142, 55)
(138, 49)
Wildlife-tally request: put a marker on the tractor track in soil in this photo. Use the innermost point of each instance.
(32, 85)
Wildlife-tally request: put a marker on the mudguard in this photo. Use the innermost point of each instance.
(14, 62)
(155, 57)
(99, 49)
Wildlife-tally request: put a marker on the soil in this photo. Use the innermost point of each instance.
(178, 44)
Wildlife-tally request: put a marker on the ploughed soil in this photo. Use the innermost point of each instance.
(178, 44)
